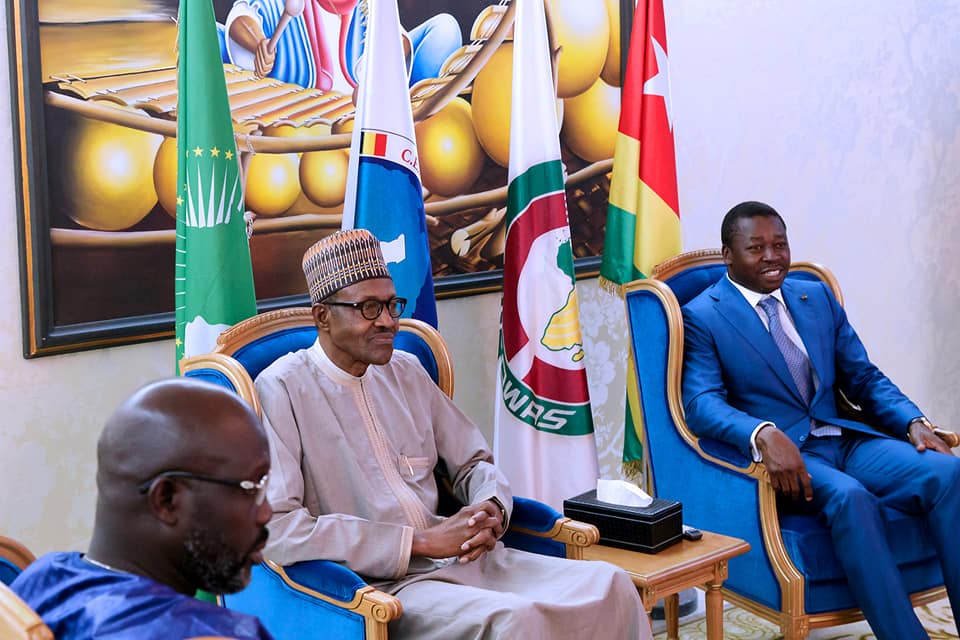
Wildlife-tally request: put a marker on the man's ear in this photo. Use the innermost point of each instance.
(725, 252)
(321, 316)
(165, 498)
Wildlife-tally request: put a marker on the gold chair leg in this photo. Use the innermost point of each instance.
(797, 628)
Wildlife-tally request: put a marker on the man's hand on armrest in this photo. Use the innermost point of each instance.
(788, 473)
(467, 534)
(921, 435)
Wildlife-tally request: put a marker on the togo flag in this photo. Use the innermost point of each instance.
(543, 438)
(643, 216)
(383, 180)
(214, 279)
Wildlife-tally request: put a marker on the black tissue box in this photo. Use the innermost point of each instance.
(648, 529)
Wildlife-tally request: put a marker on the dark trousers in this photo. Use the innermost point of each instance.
(853, 476)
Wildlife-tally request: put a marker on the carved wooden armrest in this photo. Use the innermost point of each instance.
(17, 620)
(573, 533)
(277, 592)
(949, 437)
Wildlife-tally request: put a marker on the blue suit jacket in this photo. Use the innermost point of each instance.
(734, 376)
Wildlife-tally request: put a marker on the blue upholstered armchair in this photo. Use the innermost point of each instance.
(791, 576)
(324, 595)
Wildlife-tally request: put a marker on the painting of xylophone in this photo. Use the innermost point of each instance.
(97, 124)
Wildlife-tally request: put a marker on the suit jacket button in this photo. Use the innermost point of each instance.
(802, 438)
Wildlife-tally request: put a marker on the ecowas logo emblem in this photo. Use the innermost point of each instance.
(543, 381)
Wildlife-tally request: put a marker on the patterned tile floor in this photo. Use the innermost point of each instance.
(937, 618)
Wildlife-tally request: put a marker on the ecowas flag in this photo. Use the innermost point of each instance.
(213, 276)
(383, 192)
(543, 439)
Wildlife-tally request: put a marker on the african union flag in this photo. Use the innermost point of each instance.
(214, 279)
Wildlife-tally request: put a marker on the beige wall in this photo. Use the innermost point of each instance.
(845, 116)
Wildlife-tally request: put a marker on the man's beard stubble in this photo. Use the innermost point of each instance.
(216, 567)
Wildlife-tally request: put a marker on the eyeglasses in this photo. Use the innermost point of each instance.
(371, 309)
(257, 489)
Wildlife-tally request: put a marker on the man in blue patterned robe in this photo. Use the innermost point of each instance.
(181, 479)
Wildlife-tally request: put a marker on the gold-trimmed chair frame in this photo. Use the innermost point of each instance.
(264, 324)
(794, 622)
(377, 608)
(575, 535)
(15, 552)
(18, 621)
(231, 369)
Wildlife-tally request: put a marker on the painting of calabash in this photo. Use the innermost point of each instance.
(98, 129)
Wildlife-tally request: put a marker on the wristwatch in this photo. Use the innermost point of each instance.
(503, 512)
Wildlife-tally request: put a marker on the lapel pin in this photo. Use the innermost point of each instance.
(803, 297)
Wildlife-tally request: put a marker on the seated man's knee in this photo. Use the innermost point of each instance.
(850, 499)
(517, 615)
(951, 464)
(943, 480)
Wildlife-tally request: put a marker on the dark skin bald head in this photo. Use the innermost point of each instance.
(170, 424)
(180, 425)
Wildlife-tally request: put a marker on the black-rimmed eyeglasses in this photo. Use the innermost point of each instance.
(256, 489)
(371, 309)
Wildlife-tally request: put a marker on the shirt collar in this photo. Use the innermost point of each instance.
(752, 297)
(335, 373)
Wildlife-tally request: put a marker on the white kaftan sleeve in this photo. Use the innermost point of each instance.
(468, 459)
(372, 549)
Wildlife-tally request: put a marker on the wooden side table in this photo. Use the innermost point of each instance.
(687, 564)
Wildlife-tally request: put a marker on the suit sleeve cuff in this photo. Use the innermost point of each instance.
(754, 452)
(922, 420)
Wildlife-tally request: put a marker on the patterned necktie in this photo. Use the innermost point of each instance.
(797, 362)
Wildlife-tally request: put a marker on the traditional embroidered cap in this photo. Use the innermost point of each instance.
(342, 259)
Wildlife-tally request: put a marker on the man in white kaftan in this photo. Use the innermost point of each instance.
(356, 430)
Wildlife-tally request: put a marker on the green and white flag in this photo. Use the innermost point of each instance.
(214, 278)
(543, 438)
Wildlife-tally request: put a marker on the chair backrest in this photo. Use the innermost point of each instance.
(688, 274)
(252, 345)
(656, 337)
(18, 621)
(14, 558)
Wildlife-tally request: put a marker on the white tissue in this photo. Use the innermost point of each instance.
(622, 493)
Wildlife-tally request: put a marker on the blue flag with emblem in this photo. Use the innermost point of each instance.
(383, 192)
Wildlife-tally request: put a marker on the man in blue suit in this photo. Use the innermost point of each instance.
(764, 359)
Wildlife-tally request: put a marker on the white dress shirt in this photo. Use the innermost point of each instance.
(753, 298)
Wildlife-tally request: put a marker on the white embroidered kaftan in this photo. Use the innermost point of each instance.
(352, 478)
